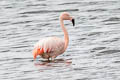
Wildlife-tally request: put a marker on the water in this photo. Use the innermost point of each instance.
(94, 46)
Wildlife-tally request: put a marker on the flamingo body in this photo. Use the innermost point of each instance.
(49, 47)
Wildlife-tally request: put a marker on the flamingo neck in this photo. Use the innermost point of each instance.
(66, 37)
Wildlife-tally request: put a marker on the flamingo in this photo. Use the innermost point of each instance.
(51, 47)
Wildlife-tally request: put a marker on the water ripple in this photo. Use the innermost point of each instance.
(112, 19)
(48, 11)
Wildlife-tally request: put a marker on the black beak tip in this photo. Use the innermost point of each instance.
(73, 22)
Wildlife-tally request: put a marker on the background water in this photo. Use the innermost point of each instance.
(94, 47)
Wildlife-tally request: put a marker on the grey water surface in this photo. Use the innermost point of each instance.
(94, 47)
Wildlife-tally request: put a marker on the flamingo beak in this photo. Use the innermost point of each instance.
(73, 22)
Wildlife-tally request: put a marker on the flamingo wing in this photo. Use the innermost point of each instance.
(49, 45)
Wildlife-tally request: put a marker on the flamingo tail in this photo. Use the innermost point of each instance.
(37, 51)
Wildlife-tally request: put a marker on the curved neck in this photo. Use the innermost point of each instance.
(66, 37)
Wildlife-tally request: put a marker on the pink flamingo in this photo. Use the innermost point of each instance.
(51, 47)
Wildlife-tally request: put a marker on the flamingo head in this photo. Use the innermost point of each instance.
(66, 16)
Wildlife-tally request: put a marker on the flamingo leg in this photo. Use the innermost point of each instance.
(52, 59)
(48, 59)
